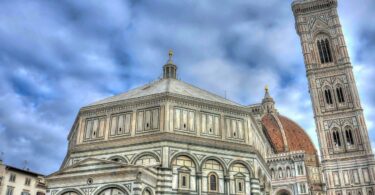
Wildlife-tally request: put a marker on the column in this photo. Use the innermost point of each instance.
(199, 182)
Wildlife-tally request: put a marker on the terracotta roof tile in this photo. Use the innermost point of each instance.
(297, 138)
(274, 133)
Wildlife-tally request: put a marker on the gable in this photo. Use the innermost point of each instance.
(318, 25)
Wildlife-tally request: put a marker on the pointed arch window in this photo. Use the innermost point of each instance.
(340, 95)
(336, 138)
(280, 171)
(272, 173)
(300, 169)
(324, 51)
(328, 96)
(349, 136)
(288, 172)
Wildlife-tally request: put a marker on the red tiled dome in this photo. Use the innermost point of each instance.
(295, 137)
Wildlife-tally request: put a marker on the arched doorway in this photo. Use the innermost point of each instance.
(283, 192)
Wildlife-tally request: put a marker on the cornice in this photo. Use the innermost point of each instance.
(334, 68)
(163, 97)
(286, 156)
(166, 137)
(308, 6)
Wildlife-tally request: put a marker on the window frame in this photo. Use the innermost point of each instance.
(12, 177)
(336, 138)
(239, 181)
(328, 96)
(10, 190)
(117, 130)
(288, 172)
(324, 50)
(91, 133)
(340, 94)
(27, 181)
(280, 173)
(181, 175)
(216, 182)
(25, 193)
(349, 136)
(302, 187)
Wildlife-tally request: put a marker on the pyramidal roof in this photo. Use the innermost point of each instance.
(167, 85)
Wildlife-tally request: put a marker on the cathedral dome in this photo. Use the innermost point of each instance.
(286, 135)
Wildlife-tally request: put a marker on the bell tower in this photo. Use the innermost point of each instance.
(347, 158)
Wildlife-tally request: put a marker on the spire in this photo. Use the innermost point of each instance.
(170, 69)
(268, 102)
(267, 94)
(170, 53)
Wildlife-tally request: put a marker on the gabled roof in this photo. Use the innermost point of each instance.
(172, 86)
(24, 171)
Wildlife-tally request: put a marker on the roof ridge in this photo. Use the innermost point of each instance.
(303, 130)
(278, 121)
(209, 92)
(131, 90)
(169, 85)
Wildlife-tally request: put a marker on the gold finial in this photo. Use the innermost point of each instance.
(170, 54)
(266, 88)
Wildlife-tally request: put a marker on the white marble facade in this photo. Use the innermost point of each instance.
(169, 137)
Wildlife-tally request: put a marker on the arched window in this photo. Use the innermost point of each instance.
(213, 182)
(328, 96)
(324, 51)
(146, 160)
(70, 193)
(185, 166)
(340, 95)
(300, 170)
(336, 138)
(349, 136)
(147, 192)
(117, 159)
(273, 173)
(288, 173)
(280, 172)
(240, 185)
(112, 191)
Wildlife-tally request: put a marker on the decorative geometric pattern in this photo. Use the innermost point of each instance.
(227, 160)
(128, 186)
(199, 156)
(129, 157)
(88, 190)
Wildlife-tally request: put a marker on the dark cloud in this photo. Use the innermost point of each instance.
(58, 56)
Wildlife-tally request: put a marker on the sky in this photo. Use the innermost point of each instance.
(58, 56)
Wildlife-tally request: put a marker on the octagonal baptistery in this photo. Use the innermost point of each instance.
(166, 137)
